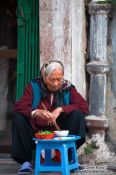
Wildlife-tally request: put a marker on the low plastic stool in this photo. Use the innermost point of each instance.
(62, 145)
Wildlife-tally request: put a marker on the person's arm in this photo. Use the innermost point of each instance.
(77, 102)
(24, 104)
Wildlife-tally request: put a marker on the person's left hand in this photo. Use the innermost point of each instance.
(57, 112)
(55, 115)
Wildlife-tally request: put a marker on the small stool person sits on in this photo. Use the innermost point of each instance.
(64, 105)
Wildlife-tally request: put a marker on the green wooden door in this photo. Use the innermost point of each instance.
(28, 61)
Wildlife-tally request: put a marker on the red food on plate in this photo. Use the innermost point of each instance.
(44, 135)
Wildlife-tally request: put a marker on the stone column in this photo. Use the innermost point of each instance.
(98, 67)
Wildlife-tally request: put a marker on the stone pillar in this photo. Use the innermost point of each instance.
(98, 67)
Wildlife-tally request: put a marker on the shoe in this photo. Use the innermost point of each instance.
(80, 168)
(26, 168)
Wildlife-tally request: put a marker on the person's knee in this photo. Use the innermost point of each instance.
(77, 114)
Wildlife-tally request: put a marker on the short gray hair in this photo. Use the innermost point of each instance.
(50, 66)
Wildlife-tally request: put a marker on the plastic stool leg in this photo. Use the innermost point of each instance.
(64, 160)
(37, 160)
(48, 156)
(75, 154)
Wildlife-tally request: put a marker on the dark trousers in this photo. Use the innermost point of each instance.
(22, 133)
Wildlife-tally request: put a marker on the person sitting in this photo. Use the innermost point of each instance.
(64, 105)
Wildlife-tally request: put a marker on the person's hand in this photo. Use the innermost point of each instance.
(46, 115)
(57, 112)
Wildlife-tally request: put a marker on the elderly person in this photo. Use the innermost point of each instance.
(68, 112)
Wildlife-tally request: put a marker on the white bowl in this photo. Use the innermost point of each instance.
(61, 133)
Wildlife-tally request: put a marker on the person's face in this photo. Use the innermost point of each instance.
(54, 80)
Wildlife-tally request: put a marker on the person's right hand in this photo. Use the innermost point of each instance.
(46, 115)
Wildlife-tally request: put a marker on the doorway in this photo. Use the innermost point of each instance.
(8, 62)
(22, 61)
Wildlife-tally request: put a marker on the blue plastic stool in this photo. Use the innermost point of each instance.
(62, 145)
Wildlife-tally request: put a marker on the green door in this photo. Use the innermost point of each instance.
(28, 60)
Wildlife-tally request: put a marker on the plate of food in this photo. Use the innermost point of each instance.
(44, 135)
(64, 138)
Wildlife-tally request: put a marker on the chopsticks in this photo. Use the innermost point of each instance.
(54, 122)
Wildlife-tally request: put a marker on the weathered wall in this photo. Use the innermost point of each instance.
(62, 37)
(111, 83)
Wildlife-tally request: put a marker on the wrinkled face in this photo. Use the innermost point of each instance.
(54, 80)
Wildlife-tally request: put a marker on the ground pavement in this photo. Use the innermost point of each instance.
(10, 167)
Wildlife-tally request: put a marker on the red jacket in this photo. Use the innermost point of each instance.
(24, 104)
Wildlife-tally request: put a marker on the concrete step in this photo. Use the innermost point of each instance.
(9, 167)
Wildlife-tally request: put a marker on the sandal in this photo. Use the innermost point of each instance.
(26, 168)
